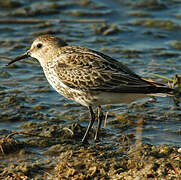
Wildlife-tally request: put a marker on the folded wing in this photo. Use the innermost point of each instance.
(88, 70)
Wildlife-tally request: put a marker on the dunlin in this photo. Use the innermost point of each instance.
(89, 77)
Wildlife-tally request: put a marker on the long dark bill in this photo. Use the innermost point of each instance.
(23, 56)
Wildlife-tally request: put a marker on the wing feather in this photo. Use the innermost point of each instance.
(88, 70)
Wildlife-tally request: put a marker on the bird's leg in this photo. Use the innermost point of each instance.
(100, 118)
(91, 122)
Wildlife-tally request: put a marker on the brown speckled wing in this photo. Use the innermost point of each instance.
(88, 70)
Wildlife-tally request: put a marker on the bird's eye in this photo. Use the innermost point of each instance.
(39, 45)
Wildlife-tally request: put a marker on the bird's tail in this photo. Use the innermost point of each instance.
(158, 89)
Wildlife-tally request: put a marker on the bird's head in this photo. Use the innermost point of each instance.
(42, 49)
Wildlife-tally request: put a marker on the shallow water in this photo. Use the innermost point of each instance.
(142, 35)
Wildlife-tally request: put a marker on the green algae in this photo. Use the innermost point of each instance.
(9, 4)
(105, 29)
(4, 74)
(176, 44)
(35, 10)
(139, 14)
(150, 4)
(81, 13)
(10, 145)
(158, 23)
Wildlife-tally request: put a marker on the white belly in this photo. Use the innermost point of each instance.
(117, 98)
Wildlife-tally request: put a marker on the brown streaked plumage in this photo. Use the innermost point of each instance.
(89, 77)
